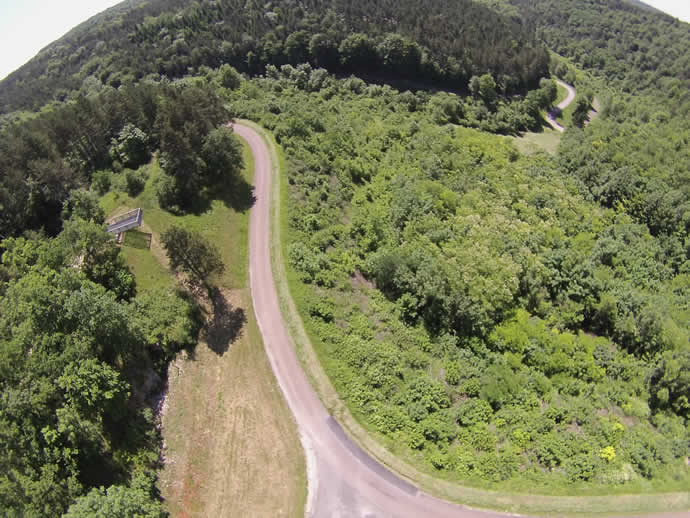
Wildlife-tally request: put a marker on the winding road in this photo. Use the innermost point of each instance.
(551, 114)
(344, 481)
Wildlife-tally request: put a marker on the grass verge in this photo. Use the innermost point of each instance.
(546, 505)
(529, 143)
(231, 446)
(561, 95)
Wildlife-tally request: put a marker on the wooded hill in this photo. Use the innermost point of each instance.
(433, 41)
(637, 50)
(494, 318)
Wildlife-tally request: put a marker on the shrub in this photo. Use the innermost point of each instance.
(135, 182)
(473, 412)
(608, 453)
(101, 181)
(581, 467)
(452, 372)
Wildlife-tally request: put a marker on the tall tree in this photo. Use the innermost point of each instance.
(192, 254)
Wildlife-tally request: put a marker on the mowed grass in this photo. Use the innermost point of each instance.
(231, 443)
(150, 273)
(227, 228)
(529, 143)
(565, 118)
(562, 94)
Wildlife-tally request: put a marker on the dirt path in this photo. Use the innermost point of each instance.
(551, 114)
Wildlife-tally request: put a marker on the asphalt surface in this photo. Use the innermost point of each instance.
(551, 115)
(344, 481)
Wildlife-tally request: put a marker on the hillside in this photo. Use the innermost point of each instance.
(172, 38)
(494, 319)
(634, 49)
(481, 313)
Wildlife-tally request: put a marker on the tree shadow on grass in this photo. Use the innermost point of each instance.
(137, 239)
(225, 325)
(236, 193)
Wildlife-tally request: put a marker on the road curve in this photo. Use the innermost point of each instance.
(344, 480)
(551, 114)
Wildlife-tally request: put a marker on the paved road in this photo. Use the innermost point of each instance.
(344, 481)
(550, 116)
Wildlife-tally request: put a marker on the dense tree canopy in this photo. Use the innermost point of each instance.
(441, 41)
(192, 254)
(482, 311)
(43, 159)
(73, 342)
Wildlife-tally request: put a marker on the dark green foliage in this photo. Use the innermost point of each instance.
(228, 77)
(134, 181)
(582, 107)
(183, 123)
(72, 413)
(83, 205)
(222, 155)
(670, 383)
(130, 147)
(635, 49)
(98, 256)
(438, 41)
(46, 157)
(101, 181)
(192, 254)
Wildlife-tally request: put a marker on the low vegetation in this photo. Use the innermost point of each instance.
(475, 308)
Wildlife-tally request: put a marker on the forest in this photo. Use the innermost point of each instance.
(175, 38)
(482, 312)
(84, 355)
(495, 318)
(636, 50)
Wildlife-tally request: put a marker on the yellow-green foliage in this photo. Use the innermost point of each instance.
(472, 307)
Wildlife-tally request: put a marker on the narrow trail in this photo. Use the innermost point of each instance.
(551, 114)
(344, 480)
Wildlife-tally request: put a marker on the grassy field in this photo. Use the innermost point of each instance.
(565, 118)
(530, 142)
(231, 444)
(518, 500)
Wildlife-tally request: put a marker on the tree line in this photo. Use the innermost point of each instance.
(44, 158)
(433, 42)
